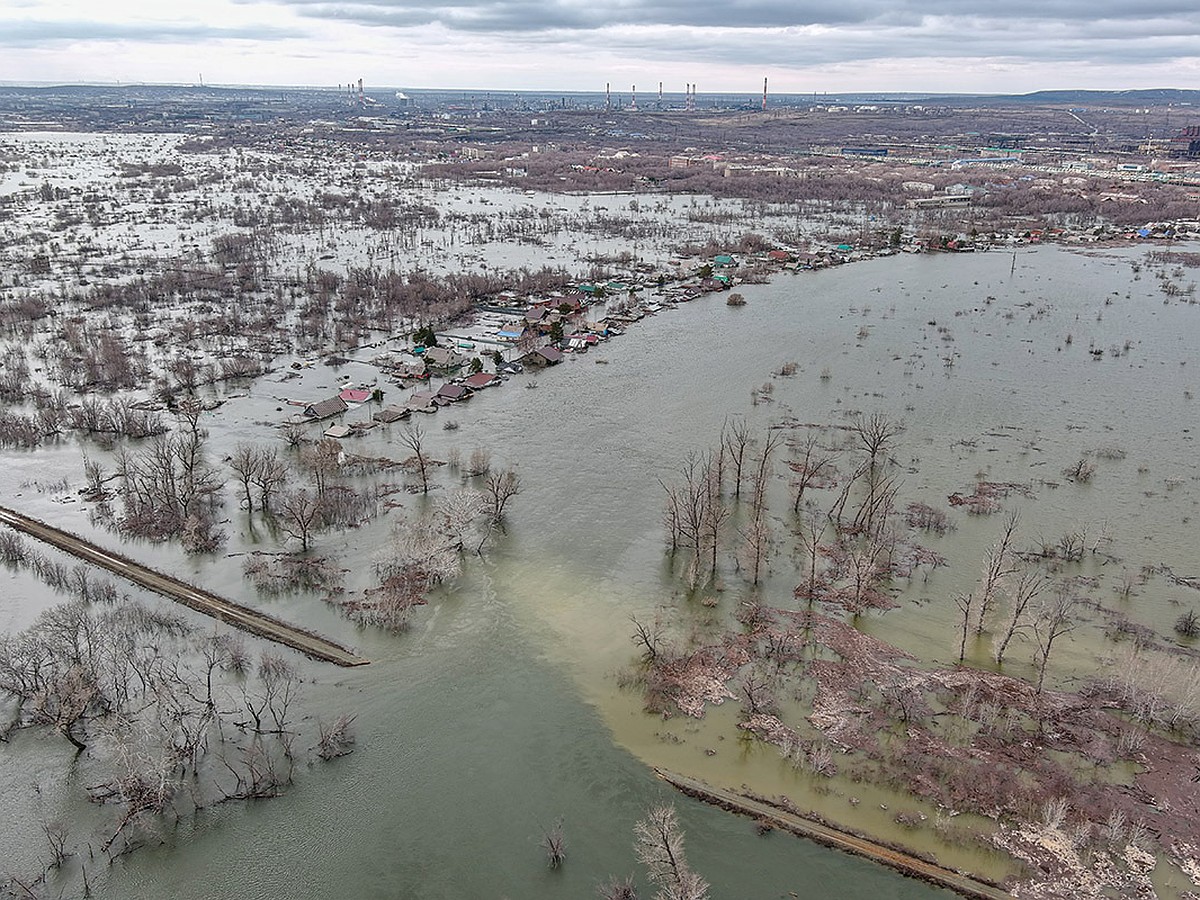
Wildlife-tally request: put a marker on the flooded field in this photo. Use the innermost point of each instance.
(506, 704)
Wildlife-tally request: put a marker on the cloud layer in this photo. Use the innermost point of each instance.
(574, 44)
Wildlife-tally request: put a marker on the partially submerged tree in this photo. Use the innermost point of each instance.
(299, 515)
(1028, 588)
(554, 842)
(696, 513)
(815, 467)
(658, 843)
(167, 488)
(735, 439)
(169, 717)
(618, 889)
(875, 434)
(423, 552)
(965, 601)
(999, 564)
(1055, 618)
(414, 439)
(501, 487)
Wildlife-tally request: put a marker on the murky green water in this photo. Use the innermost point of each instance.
(500, 712)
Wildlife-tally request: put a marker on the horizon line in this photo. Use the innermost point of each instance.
(334, 88)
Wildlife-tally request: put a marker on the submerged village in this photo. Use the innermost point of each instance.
(504, 334)
(359, 459)
(501, 337)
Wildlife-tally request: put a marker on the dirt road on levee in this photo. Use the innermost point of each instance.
(202, 601)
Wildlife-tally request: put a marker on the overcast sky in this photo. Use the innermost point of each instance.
(833, 45)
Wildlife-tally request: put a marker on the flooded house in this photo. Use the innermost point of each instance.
(391, 414)
(443, 358)
(422, 401)
(325, 409)
(545, 356)
(480, 380)
(453, 392)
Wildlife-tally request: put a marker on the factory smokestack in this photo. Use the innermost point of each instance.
(764, 95)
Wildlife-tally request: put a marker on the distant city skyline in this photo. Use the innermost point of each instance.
(857, 45)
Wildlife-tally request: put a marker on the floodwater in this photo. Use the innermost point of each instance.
(500, 711)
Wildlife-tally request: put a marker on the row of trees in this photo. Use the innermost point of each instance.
(850, 550)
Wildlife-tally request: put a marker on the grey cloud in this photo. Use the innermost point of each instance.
(793, 49)
(517, 16)
(33, 33)
(779, 33)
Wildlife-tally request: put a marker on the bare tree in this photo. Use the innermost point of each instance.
(335, 739)
(735, 438)
(648, 637)
(658, 843)
(554, 842)
(671, 516)
(1028, 587)
(696, 521)
(500, 488)
(414, 439)
(144, 786)
(864, 562)
(618, 889)
(423, 552)
(323, 460)
(875, 434)
(270, 473)
(299, 513)
(167, 489)
(762, 473)
(93, 474)
(292, 434)
(998, 565)
(56, 837)
(838, 508)
(877, 504)
(245, 461)
(810, 533)
(966, 605)
(1055, 618)
(715, 513)
(756, 545)
(280, 685)
(758, 691)
(480, 462)
(814, 468)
